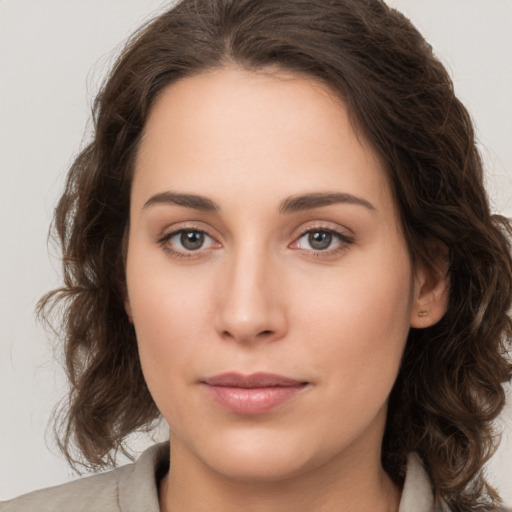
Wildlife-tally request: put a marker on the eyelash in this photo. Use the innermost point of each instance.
(343, 239)
(164, 242)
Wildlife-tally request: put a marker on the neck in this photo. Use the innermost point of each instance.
(358, 483)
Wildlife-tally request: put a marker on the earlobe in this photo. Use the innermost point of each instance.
(430, 296)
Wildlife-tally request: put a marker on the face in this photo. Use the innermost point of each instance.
(269, 282)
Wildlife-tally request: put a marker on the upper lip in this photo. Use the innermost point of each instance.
(255, 380)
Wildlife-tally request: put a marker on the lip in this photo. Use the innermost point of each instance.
(257, 393)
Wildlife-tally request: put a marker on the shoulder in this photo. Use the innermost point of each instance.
(135, 485)
(97, 492)
(417, 494)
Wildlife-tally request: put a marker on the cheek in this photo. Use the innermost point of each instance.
(170, 314)
(360, 319)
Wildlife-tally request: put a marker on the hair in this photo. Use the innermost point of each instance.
(401, 100)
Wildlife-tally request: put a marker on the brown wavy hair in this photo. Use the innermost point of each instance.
(401, 100)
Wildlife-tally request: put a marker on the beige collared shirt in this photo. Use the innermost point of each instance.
(134, 488)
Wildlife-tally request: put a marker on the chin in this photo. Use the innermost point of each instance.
(260, 457)
(260, 467)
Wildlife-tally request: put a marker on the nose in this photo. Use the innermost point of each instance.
(251, 301)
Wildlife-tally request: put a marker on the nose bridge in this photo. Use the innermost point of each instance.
(250, 306)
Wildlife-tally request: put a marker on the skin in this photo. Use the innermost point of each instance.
(257, 297)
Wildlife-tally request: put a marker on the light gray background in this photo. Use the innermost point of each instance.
(53, 54)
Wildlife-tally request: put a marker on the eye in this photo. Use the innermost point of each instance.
(318, 240)
(186, 241)
(322, 240)
(190, 240)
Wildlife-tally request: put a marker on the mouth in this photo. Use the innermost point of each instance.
(252, 394)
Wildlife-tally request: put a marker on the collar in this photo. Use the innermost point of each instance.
(138, 489)
(417, 495)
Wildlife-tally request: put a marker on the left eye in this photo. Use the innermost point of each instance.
(320, 240)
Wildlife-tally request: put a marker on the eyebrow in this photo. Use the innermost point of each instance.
(193, 201)
(289, 205)
(317, 200)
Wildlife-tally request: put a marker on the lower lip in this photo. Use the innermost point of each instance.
(252, 400)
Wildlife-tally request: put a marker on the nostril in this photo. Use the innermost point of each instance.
(268, 333)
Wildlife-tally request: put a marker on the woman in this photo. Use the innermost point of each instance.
(279, 241)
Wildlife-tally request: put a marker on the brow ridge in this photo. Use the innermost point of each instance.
(291, 204)
(318, 199)
(193, 201)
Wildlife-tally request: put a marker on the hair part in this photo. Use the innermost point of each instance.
(401, 99)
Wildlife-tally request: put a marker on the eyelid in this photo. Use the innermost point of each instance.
(164, 238)
(344, 235)
(320, 225)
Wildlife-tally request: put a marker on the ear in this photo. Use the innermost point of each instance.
(431, 293)
(128, 309)
(124, 254)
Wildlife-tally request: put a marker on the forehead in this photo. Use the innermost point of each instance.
(262, 131)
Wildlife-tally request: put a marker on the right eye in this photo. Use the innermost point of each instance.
(186, 241)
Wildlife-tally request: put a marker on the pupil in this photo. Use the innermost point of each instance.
(320, 240)
(192, 240)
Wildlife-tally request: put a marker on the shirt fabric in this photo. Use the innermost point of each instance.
(134, 488)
